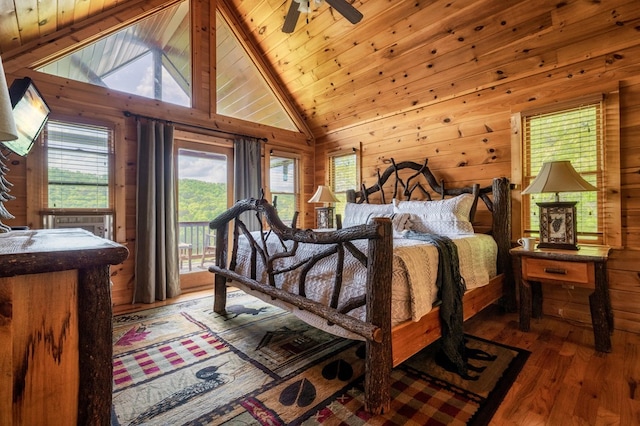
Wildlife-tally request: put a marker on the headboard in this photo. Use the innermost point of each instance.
(408, 180)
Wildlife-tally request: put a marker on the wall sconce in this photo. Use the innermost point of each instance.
(324, 215)
(558, 223)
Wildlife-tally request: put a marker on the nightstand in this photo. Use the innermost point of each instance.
(586, 268)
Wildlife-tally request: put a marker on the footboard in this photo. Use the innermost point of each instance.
(377, 259)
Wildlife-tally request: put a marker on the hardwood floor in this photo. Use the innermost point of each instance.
(564, 382)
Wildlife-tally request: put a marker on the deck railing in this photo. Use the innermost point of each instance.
(199, 236)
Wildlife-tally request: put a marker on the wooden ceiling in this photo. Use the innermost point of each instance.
(402, 56)
(405, 55)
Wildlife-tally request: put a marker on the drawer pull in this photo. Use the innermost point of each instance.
(557, 271)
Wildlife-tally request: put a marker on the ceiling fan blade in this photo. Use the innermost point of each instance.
(351, 13)
(292, 18)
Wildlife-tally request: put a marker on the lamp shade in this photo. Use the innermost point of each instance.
(323, 195)
(558, 176)
(8, 131)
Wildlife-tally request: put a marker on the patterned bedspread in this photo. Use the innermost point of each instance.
(415, 264)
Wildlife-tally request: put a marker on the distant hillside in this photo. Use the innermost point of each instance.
(200, 201)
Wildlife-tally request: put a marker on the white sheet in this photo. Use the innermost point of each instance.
(415, 266)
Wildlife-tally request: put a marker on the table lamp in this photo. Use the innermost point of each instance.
(558, 223)
(324, 215)
(8, 132)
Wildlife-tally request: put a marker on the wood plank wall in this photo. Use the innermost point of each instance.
(84, 107)
(467, 137)
(86, 102)
(453, 104)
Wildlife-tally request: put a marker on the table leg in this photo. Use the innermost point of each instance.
(536, 299)
(601, 313)
(525, 305)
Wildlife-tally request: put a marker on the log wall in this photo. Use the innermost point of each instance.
(438, 79)
(71, 99)
(465, 129)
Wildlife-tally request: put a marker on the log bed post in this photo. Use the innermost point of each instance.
(501, 228)
(220, 285)
(379, 356)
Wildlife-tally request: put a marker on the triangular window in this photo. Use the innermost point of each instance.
(242, 91)
(150, 58)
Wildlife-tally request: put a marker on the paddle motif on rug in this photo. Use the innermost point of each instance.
(259, 365)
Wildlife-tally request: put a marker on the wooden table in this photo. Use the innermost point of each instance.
(56, 327)
(586, 267)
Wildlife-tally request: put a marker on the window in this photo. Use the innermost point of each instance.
(150, 58)
(78, 166)
(343, 175)
(204, 167)
(241, 88)
(576, 133)
(283, 183)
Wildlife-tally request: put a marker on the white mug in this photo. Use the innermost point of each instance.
(527, 243)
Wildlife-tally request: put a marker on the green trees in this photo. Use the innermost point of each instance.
(200, 201)
(70, 189)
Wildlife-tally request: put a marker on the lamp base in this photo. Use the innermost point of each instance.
(558, 226)
(324, 217)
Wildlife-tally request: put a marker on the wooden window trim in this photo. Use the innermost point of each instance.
(298, 184)
(341, 153)
(37, 175)
(328, 174)
(611, 199)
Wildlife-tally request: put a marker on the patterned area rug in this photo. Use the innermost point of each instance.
(259, 365)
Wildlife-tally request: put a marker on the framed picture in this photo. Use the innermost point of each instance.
(324, 217)
(558, 225)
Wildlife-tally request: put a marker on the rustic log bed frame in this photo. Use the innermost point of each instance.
(385, 347)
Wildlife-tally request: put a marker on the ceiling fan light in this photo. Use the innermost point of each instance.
(305, 5)
(304, 8)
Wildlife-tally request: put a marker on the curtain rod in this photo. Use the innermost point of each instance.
(193, 126)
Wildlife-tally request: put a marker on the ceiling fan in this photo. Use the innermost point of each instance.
(298, 6)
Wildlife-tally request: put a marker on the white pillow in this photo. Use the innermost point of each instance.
(442, 217)
(359, 214)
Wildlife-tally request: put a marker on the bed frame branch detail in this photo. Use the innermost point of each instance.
(377, 258)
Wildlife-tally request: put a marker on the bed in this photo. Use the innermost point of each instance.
(367, 279)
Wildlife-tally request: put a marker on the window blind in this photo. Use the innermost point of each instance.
(574, 134)
(283, 184)
(343, 175)
(78, 165)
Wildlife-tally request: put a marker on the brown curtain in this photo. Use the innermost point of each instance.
(248, 175)
(157, 275)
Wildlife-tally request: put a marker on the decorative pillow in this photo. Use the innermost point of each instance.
(359, 214)
(442, 217)
(400, 222)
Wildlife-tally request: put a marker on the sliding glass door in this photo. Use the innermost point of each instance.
(204, 172)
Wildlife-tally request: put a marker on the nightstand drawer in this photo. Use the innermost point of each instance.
(546, 269)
